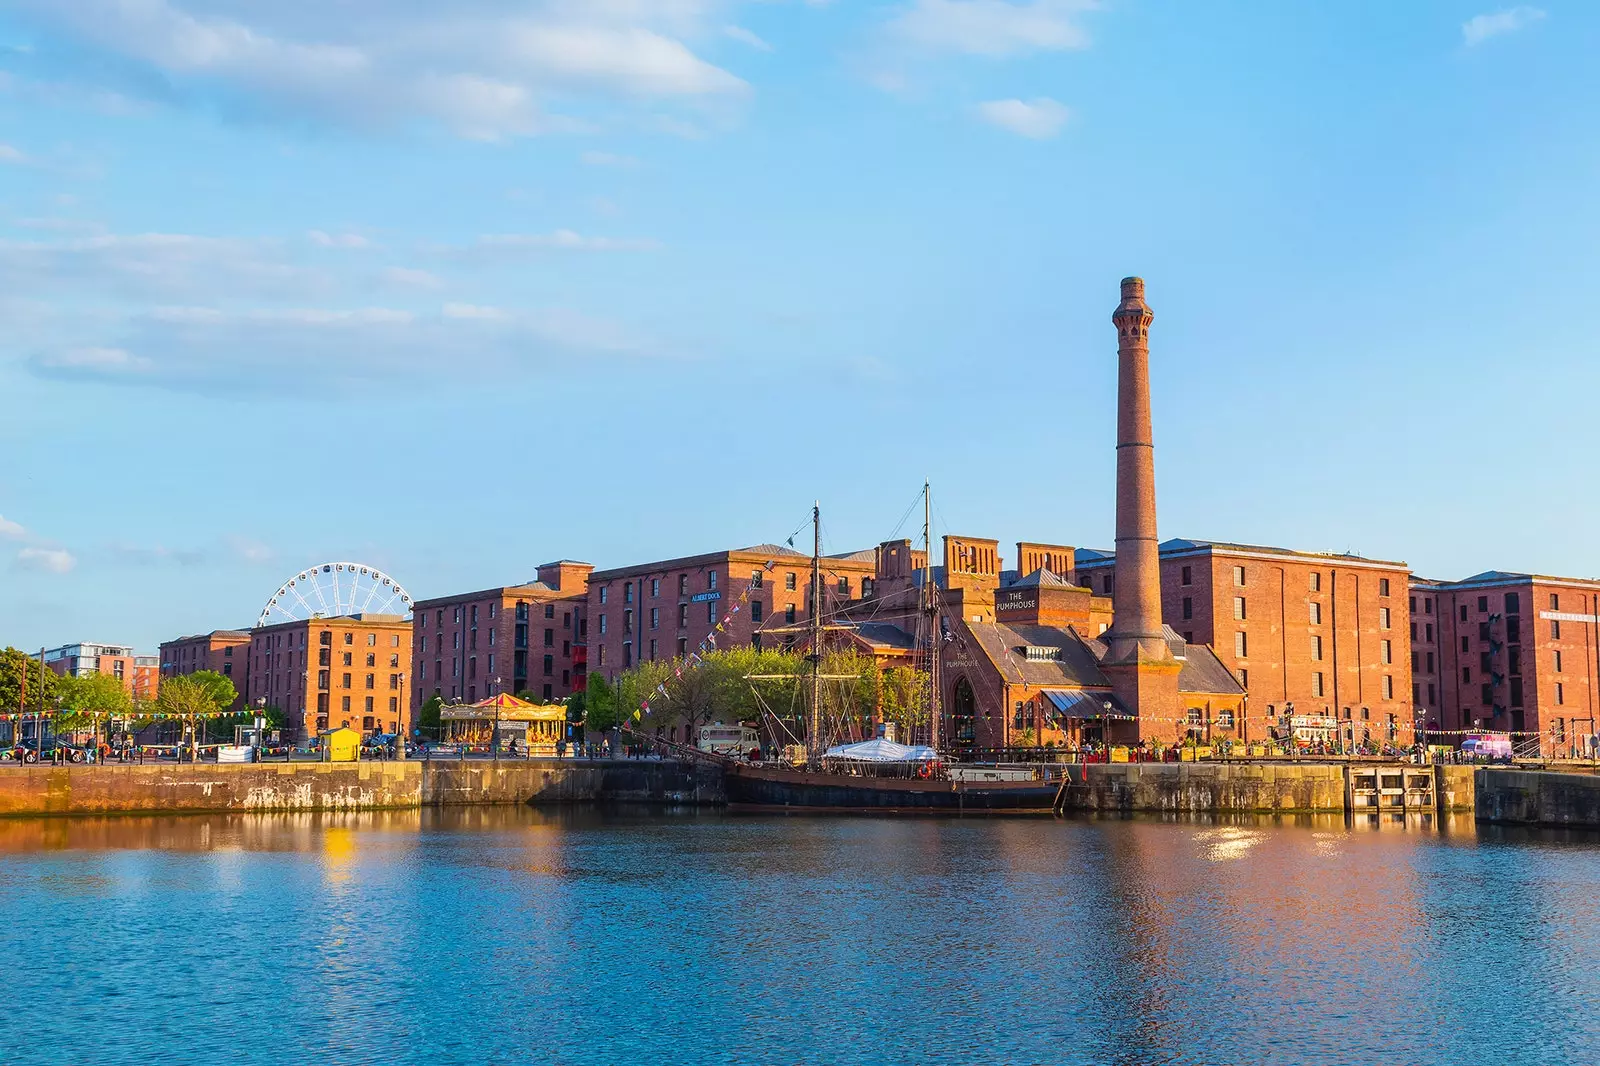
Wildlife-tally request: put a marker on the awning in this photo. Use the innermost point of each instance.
(1076, 703)
(881, 750)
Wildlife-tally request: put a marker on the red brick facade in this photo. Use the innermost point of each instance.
(223, 651)
(518, 638)
(330, 672)
(663, 610)
(1513, 653)
(1326, 633)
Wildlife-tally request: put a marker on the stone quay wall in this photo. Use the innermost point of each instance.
(1188, 788)
(1528, 797)
(116, 787)
(310, 786)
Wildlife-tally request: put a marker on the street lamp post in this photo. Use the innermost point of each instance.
(399, 725)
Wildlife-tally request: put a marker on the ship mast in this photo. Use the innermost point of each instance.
(814, 716)
(930, 607)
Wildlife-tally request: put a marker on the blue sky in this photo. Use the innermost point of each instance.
(277, 276)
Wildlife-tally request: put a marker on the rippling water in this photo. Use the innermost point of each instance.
(513, 936)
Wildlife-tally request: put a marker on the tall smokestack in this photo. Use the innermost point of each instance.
(1136, 595)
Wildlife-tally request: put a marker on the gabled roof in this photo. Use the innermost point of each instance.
(1493, 575)
(1042, 578)
(770, 549)
(883, 635)
(1077, 664)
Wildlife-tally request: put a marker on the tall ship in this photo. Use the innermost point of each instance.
(1038, 664)
(879, 774)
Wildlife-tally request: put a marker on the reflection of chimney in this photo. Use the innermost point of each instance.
(1136, 590)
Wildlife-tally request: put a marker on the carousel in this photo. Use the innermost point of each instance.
(477, 726)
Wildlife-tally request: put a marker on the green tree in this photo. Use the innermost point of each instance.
(599, 706)
(89, 700)
(203, 692)
(428, 721)
(904, 698)
(14, 667)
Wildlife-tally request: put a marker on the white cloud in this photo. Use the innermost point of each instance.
(11, 154)
(739, 33)
(992, 27)
(108, 362)
(566, 239)
(477, 312)
(1040, 118)
(10, 529)
(608, 159)
(249, 551)
(1480, 28)
(139, 555)
(338, 240)
(480, 68)
(156, 266)
(406, 277)
(207, 349)
(46, 560)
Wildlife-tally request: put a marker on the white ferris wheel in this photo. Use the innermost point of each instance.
(332, 590)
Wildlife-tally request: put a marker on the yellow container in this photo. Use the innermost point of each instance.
(1119, 754)
(341, 745)
(1257, 750)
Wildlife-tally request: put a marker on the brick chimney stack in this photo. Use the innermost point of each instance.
(1136, 588)
(1138, 662)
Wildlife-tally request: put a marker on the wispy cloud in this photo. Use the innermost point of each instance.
(1040, 118)
(207, 349)
(338, 240)
(480, 70)
(11, 530)
(568, 240)
(608, 159)
(97, 361)
(407, 277)
(992, 27)
(744, 36)
(157, 266)
(12, 154)
(157, 555)
(1481, 28)
(46, 560)
(249, 551)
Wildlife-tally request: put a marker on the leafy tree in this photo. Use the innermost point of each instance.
(203, 692)
(600, 706)
(87, 700)
(719, 689)
(14, 667)
(428, 720)
(905, 698)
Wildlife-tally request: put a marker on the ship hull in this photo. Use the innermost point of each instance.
(777, 789)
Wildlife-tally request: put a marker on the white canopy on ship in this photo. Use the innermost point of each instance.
(881, 750)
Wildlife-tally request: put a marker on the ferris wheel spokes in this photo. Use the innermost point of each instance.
(339, 589)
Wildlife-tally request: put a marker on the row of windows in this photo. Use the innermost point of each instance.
(344, 707)
(471, 615)
(758, 580)
(757, 614)
(323, 677)
(1241, 612)
(1313, 583)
